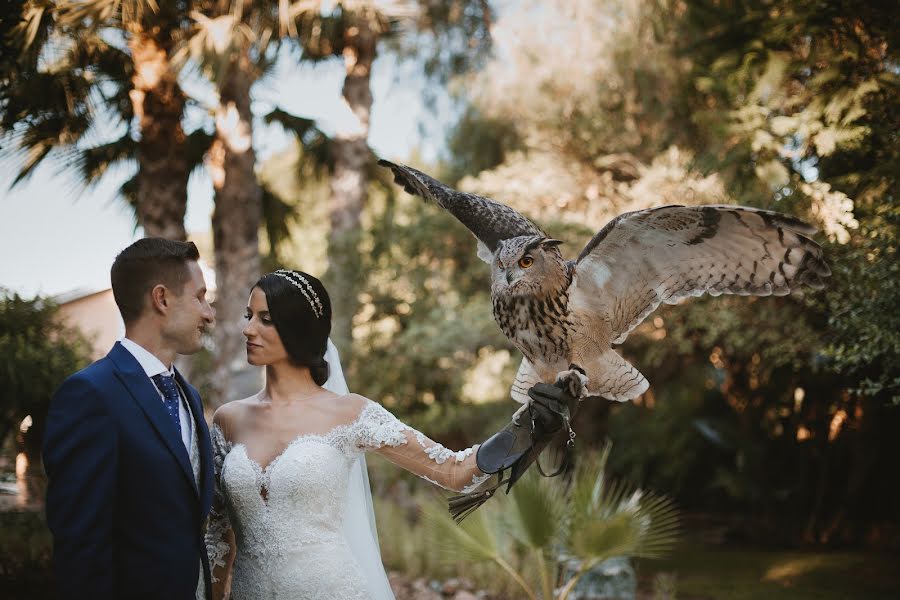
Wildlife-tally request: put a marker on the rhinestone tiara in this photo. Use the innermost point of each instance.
(300, 282)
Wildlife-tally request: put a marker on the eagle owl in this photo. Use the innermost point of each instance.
(559, 312)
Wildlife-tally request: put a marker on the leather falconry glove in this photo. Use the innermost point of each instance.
(520, 443)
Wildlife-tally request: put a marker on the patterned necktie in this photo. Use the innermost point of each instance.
(166, 385)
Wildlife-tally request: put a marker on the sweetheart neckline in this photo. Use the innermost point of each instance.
(302, 437)
(322, 436)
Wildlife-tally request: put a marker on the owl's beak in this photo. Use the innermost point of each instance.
(510, 277)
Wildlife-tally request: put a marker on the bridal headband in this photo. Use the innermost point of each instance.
(300, 282)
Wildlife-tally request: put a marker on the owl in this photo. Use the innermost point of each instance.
(560, 313)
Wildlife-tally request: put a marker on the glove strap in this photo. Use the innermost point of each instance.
(570, 449)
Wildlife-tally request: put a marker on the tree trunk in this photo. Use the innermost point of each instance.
(349, 183)
(235, 222)
(163, 166)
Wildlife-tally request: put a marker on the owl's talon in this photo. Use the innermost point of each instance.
(574, 381)
(521, 411)
(574, 367)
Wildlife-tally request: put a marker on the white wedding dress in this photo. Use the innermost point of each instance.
(289, 518)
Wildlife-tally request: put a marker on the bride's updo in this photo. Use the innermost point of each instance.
(301, 312)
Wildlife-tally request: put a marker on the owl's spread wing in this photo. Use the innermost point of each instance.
(490, 221)
(669, 253)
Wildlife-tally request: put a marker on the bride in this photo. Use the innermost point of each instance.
(292, 508)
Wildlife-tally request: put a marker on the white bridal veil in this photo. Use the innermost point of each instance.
(359, 515)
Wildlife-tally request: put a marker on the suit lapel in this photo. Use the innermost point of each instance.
(204, 445)
(142, 390)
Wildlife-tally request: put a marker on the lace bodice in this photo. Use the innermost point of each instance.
(287, 516)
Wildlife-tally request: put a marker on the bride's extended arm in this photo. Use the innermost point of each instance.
(430, 460)
(379, 431)
(220, 544)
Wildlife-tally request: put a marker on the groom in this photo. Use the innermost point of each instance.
(127, 450)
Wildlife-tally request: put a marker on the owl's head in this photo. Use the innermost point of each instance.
(527, 265)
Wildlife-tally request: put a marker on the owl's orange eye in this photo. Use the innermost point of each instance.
(526, 261)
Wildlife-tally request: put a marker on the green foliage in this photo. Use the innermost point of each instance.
(861, 305)
(479, 143)
(65, 79)
(444, 40)
(543, 524)
(791, 106)
(750, 573)
(25, 555)
(426, 301)
(800, 108)
(37, 352)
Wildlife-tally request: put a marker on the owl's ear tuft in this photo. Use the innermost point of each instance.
(550, 243)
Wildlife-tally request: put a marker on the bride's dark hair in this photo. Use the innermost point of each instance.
(301, 312)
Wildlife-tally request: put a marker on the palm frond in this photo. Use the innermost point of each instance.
(624, 521)
(33, 157)
(537, 512)
(599, 539)
(316, 144)
(215, 43)
(30, 34)
(278, 218)
(56, 112)
(588, 482)
(128, 192)
(591, 520)
(473, 540)
(197, 144)
(99, 13)
(94, 162)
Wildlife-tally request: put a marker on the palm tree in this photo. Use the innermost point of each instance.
(235, 43)
(158, 102)
(362, 27)
(76, 86)
(546, 537)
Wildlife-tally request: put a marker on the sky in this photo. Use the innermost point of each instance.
(54, 239)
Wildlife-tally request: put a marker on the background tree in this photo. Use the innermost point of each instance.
(38, 352)
(798, 106)
(235, 44)
(573, 134)
(778, 105)
(458, 34)
(152, 31)
(95, 88)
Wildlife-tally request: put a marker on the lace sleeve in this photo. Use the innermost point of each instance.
(217, 545)
(379, 431)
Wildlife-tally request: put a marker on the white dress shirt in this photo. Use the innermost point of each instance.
(153, 366)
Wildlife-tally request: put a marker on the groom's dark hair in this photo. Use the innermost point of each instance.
(145, 264)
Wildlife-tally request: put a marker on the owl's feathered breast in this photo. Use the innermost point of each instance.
(538, 327)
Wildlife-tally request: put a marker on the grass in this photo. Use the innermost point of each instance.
(729, 573)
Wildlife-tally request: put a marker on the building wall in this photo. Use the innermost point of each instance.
(97, 316)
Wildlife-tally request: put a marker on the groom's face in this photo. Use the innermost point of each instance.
(191, 314)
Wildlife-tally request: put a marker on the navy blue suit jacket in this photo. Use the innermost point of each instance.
(126, 514)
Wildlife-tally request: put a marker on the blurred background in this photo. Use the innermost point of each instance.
(771, 429)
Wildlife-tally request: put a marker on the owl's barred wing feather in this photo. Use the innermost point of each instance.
(670, 253)
(490, 222)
